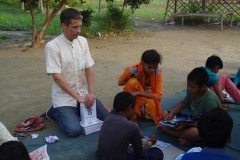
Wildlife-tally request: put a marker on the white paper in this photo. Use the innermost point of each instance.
(88, 117)
(51, 139)
(34, 136)
(40, 153)
(228, 98)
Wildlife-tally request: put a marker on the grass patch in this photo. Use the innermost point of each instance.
(14, 19)
(5, 36)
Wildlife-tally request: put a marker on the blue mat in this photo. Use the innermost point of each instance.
(84, 147)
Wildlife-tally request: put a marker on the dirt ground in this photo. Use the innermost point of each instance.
(25, 86)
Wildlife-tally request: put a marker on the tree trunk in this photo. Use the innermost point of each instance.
(34, 28)
(47, 8)
(22, 6)
(37, 42)
(99, 6)
(40, 5)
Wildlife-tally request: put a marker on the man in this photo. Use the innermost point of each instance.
(67, 57)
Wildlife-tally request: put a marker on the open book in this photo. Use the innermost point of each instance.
(178, 118)
(40, 154)
(159, 144)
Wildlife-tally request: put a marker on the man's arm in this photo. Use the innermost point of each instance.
(90, 98)
(57, 77)
(218, 92)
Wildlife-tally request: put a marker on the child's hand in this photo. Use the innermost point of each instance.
(137, 75)
(168, 117)
(153, 139)
(141, 135)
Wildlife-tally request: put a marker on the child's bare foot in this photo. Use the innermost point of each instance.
(225, 107)
(160, 128)
(134, 120)
(184, 142)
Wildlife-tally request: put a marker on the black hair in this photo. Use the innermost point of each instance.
(13, 150)
(199, 76)
(151, 57)
(214, 61)
(215, 128)
(123, 100)
(68, 14)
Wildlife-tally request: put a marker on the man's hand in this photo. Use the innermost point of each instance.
(80, 99)
(137, 75)
(89, 100)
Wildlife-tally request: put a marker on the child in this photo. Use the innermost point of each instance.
(200, 99)
(214, 128)
(118, 132)
(13, 150)
(144, 81)
(217, 84)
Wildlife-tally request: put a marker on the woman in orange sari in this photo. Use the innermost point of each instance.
(144, 81)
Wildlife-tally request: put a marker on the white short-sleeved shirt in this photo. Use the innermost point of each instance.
(70, 59)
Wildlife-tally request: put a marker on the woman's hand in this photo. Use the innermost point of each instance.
(137, 75)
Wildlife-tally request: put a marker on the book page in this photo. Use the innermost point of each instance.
(40, 154)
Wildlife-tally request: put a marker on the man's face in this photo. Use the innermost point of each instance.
(194, 88)
(73, 30)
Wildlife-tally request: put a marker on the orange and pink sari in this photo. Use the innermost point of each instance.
(152, 107)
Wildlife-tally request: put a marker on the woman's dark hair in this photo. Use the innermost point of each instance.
(199, 76)
(68, 14)
(123, 100)
(215, 128)
(151, 57)
(214, 61)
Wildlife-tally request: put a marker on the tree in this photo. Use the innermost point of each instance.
(134, 4)
(36, 38)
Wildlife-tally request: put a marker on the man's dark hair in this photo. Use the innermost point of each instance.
(199, 76)
(123, 100)
(214, 61)
(13, 150)
(151, 57)
(215, 128)
(68, 14)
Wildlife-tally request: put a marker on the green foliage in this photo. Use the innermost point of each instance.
(9, 2)
(134, 4)
(116, 18)
(4, 36)
(87, 16)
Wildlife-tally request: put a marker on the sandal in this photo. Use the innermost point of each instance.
(35, 120)
(30, 128)
(20, 136)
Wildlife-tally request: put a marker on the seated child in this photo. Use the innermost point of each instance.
(13, 150)
(214, 129)
(217, 84)
(5, 135)
(144, 81)
(118, 132)
(200, 99)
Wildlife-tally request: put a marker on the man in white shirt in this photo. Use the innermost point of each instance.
(69, 61)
